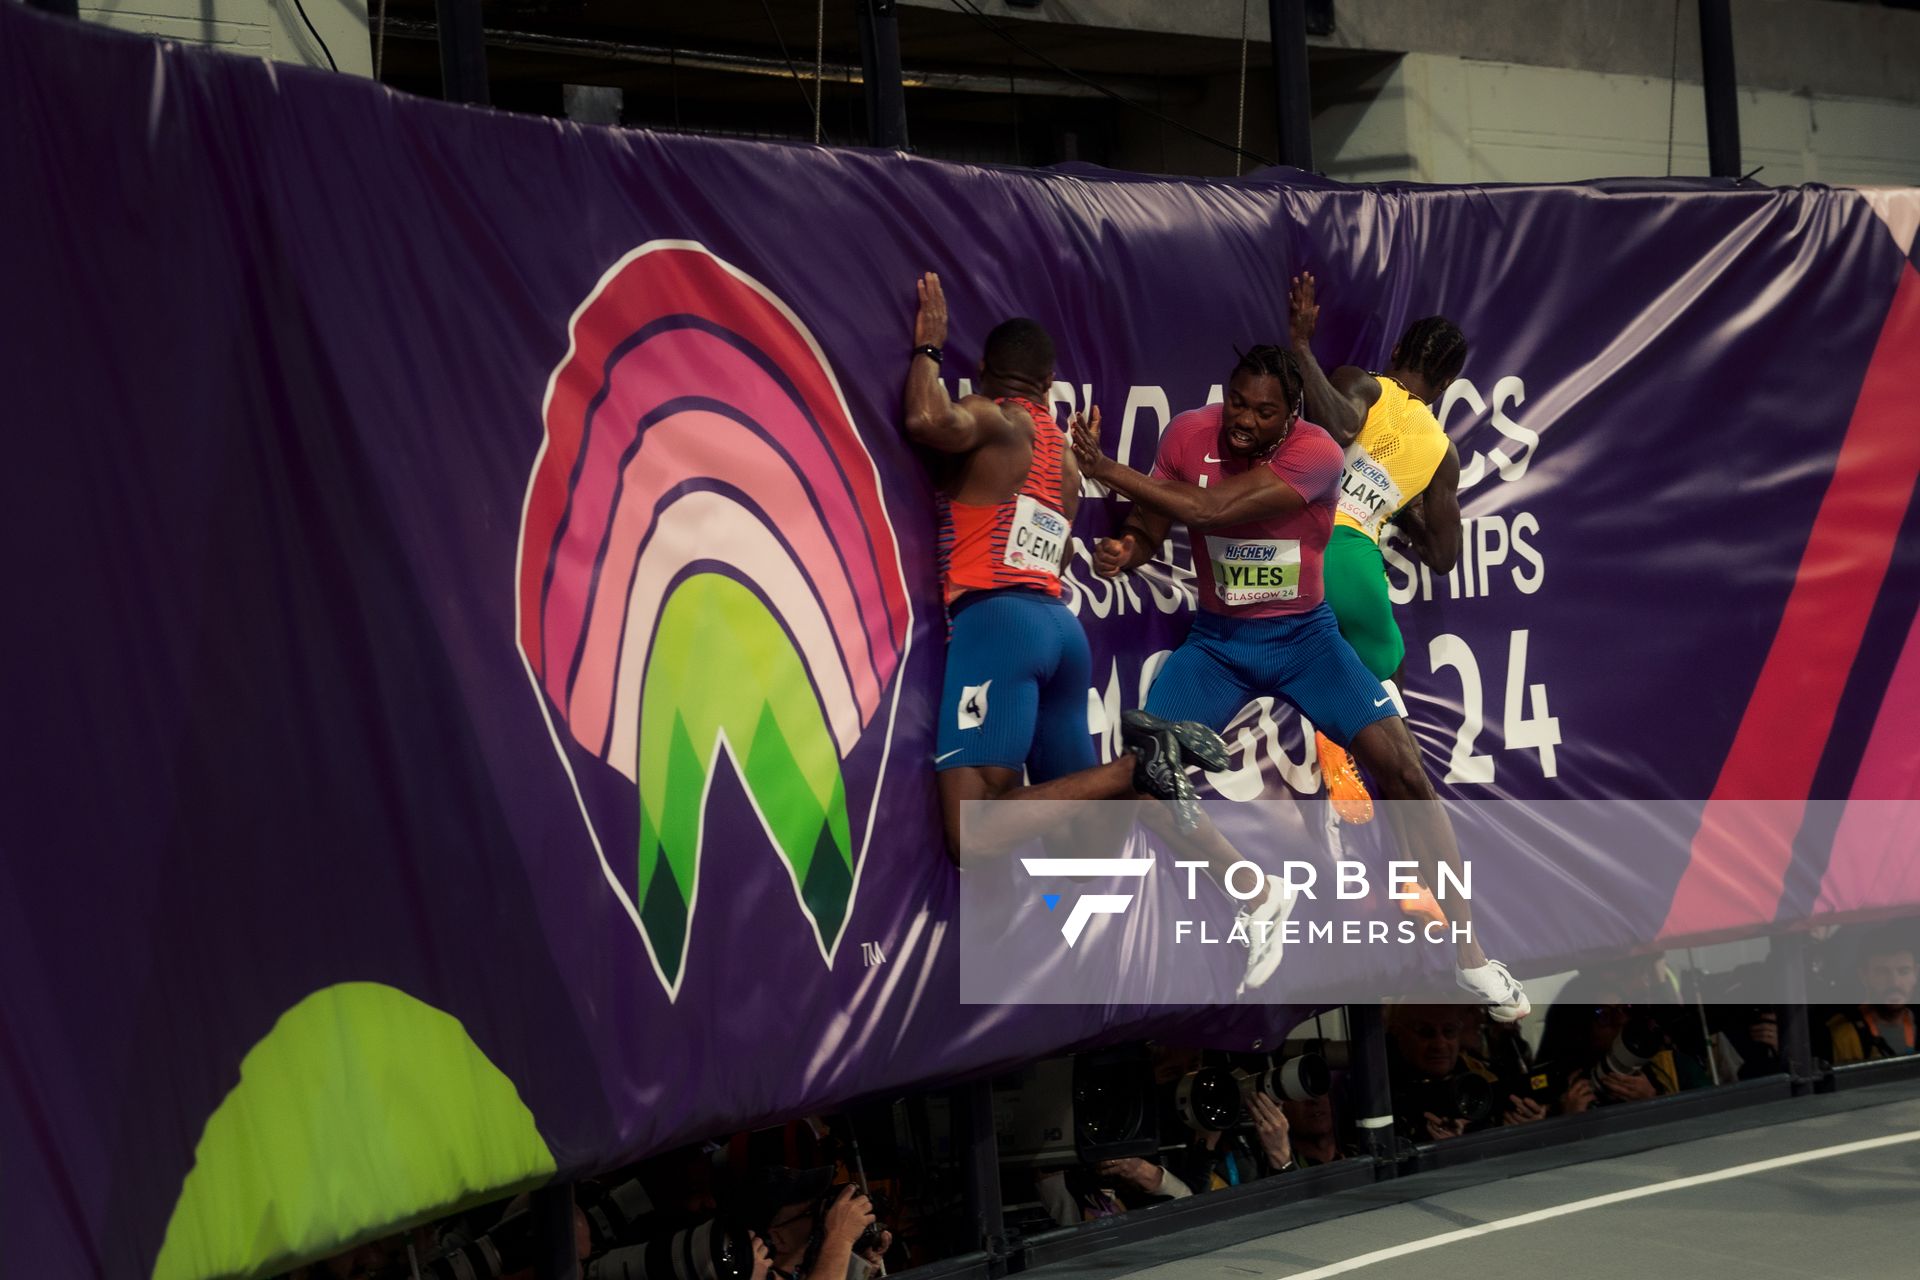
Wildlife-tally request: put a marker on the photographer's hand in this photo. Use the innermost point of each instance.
(1440, 1130)
(1142, 1175)
(1270, 1126)
(849, 1214)
(1523, 1111)
(762, 1260)
(1577, 1098)
(876, 1256)
(1628, 1086)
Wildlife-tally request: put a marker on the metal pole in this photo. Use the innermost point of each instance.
(1369, 1092)
(1796, 1037)
(1716, 73)
(463, 51)
(1292, 102)
(555, 1255)
(880, 72)
(980, 1169)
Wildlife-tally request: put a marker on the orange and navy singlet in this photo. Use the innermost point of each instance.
(1018, 667)
(1016, 543)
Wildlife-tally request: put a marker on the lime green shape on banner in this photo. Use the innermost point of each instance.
(361, 1108)
(722, 665)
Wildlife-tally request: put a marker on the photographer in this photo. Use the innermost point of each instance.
(1883, 1025)
(1619, 1052)
(1313, 1134)
(1258, 1146)
(816, 1230)
(1439, 1091)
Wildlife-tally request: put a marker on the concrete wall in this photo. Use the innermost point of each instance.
(260, 28)
(1822, 47)
(1436, 118)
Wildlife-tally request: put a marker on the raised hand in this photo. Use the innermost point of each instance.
(1086, 443)
(930, 324)
(1303, 313)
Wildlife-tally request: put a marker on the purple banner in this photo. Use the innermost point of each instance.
(474, 637)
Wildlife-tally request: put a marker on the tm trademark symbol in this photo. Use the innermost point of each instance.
(872, 954)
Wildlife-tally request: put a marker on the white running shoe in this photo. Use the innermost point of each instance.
(1505, 1000)
(1263, 945)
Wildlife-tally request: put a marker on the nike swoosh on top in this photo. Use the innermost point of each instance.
(957, 750)
(1378, 702)
(1209, 458)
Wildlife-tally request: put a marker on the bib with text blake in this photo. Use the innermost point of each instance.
(1255, 570)
(1368, 495)
(1038, 538)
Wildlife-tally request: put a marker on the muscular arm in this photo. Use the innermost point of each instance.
(1258, 494)
(1147, 531)
(934, 420)
(930, 416)
(1340, 403)
(1435, 529)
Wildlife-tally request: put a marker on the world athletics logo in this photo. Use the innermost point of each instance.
(707, 568)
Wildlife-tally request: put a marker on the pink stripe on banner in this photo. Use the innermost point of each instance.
(684, 362)
(1873, 863)
(676, 447)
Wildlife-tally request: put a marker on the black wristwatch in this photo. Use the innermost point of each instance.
(934, 353)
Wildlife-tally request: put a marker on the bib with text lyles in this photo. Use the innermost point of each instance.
(1254, 570)
(1368, 495)
(1037, 539)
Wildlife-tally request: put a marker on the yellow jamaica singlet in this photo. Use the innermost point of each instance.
(1399, 447)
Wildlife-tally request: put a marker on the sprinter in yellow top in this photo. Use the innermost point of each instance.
(1400, 467)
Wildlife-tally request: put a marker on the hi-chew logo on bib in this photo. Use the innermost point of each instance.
(1255, 570)
(1038, 538)
(1368, 494)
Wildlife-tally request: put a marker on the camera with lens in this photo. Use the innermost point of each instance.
(508, 1247)
(1461, 1096)
(1639, 1040)
(1209, 1099)
(612, 1214)
(1536, 1082)
(710, 1249)
(1290, 1077)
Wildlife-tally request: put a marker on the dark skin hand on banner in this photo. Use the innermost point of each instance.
(989, 447)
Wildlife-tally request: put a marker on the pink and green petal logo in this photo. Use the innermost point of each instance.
(708, 574)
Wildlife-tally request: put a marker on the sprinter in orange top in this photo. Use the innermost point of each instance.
(1018, 668)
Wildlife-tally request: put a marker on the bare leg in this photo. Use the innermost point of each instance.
(1204, 842)
(1008, 825)
(1387, 751)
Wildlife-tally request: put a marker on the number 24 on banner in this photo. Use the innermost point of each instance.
(1529, 727)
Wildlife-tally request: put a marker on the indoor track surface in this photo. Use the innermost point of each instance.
(1814, 1189)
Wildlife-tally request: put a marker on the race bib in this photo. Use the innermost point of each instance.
(1368, 495)
(1255, 571)
(1038, 538)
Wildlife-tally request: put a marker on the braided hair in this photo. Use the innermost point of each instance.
(1268, 361)
(1434, 348)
